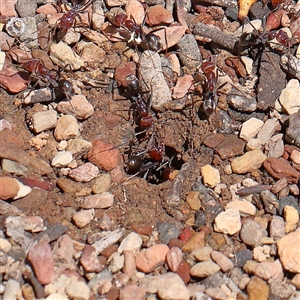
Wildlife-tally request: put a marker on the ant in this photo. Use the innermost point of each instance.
(68, 19)
(148, 41)
(144, 117)
(37, 69)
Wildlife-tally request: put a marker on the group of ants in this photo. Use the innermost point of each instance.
(151, 163)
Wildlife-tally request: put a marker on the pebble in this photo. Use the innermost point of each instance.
(249, 162)
(202, 254)
(242, 206)
(195, 242)
(184, 271)
(89, 260)
(289, 98)
(66, 128)
(174, 258)
(78, 290)
(167, 286)
(83, 217)
(32, 223)
(26, 8)
(193, 200)
(24, 190)
(103, 200)
(261, 253)
(42, 261)
(44, 120)
(223, 261)
(78, 147)
(13, 167)
(280, 168)
(116, 262)
(213, 140)
(204, 269)
(157, 14)
(257, 289)
(167, 231)
(12, 289)
(132, 292)
(132, 242)
(30, 34)
(288, 251)
(295, 157)
(296, 281)
(241, 103)
(78, 105)
(150, 72)
(290, 201)
(252, 233)
(129, 263)
(62, 159)
(63, 55)
(5, 245)
(148, 260)
(281, 289)
(211, 175)
(230, 147)
(291, 217)
(8, 8)
(275, 146)
(242, 257)
(9, 188)
(293, 130)
(84, 173)
(228, 222)
(103, 155)
(183, 85)
(267, 270)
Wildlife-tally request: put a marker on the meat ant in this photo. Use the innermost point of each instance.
(148, 41)
(67, 21)
(144, 117)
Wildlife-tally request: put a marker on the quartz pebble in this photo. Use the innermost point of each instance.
(66, 128)
(24, 190)
(211, 175)
(132, 242)
(204, 269)
(228, 222)
(77, 290)
(83, 217)
(62, 159)
(243, 206)
(223, 261)
(103, 200)
(84, 173)
(291, 217)
(101, 184)
(289, 98)
(174, 258)
(250, 128)
(44, 120)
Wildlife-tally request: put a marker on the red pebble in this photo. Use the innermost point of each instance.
(186, 234)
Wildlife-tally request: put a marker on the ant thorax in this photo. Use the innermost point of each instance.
(134, 39)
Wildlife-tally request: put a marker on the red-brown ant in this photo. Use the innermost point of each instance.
(144, 117)
(67, 21)
(148, 41)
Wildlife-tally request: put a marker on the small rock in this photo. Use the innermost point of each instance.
(132, 242)
(257, 289)
(293, 131)
(202, 254)
(167, 231)
(183, 85)
(242, 257)
(289, 97)
(84, 173)
(223, 261)
(167, 286)
(288, 251)
(230, 147)
(13, 167)
(78, 105)
(228, 222)
(33, 224)
(280, 168)
(149, 259)
(78, 290)
(26, 8)
(12, 290)
(295, 157)
(129, 263)
(174, 258)
(89, 260)
(184, 271)
(252, 233)
(291, 217)
(83, 217)
(213, 140)
(103, 200)
(261, 253)
(41, 259)
(63, 55)
(249, 162)
(46, 9)
(289, 200)
(204, 269)
(116, 262)
(211, 175)
(5, 245)
(242, 206)
(9, 188)
(296, 281)
(78, 147)
(193, 200)
(44, 120)
(135, 9)
(195, 242)
(24, 190)
(62, 159)
(157, 14)
(267, 270)
(132, 292)
(281, 290)
(66, 128)
(103, 155)
(241, 103)
(123, 71)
